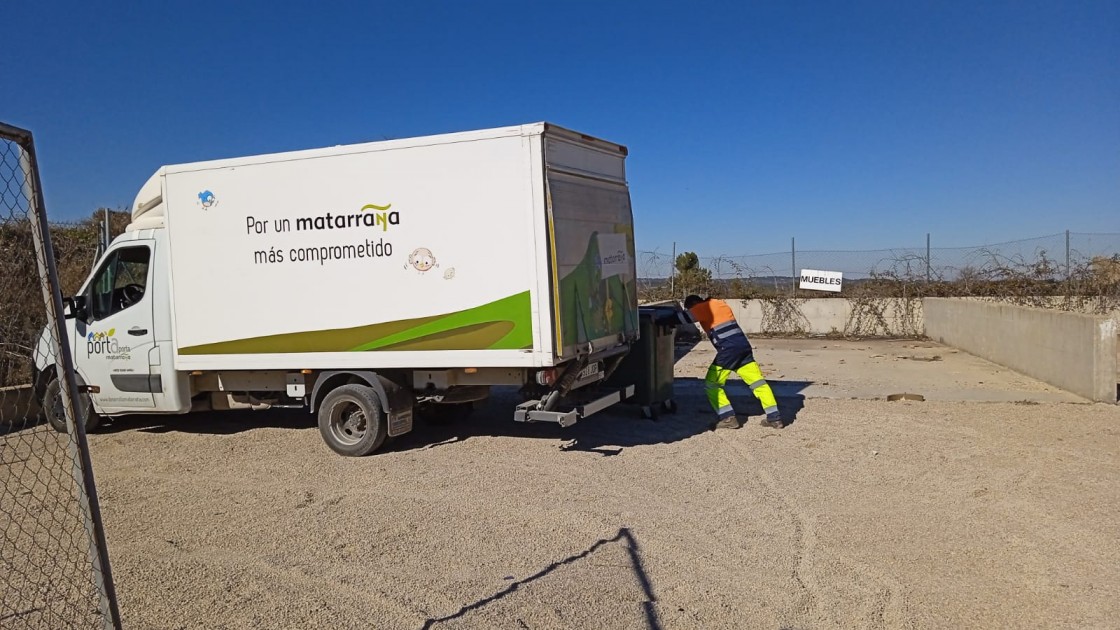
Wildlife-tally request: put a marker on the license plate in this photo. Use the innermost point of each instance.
(588, 371)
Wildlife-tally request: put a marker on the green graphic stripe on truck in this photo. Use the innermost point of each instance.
(505, 324)
(593, 307)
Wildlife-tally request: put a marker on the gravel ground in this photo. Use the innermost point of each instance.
(861, 513)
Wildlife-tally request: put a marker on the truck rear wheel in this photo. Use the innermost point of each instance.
(351, 420)
(56, 416)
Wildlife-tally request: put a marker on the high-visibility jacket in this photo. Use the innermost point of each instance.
(733, 349)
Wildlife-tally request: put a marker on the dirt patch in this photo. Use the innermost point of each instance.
(862, 513)
(875, 368)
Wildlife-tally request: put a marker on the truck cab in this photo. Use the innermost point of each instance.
(119, 329)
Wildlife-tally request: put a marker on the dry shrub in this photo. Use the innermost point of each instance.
(22, 315)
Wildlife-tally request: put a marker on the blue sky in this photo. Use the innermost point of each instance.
(850, 125)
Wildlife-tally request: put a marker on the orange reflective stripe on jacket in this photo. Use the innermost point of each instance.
(711, 314)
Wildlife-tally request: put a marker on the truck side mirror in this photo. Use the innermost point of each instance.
(76, 307)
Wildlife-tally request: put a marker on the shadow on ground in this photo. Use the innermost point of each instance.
(212, 422)
(683, 346)
(606, 433)
(691, 397)
(610, 431)
(15, 424)
(624, 535)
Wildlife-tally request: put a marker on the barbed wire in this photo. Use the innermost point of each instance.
(1070, 263)
(944, 262)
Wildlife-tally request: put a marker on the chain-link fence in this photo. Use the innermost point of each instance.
(1083, 267)
(54, 570)
(77, 247)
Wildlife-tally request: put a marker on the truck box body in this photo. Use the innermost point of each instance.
(365, 282)
(510, 247)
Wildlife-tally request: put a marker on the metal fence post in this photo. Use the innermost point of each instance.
(103, 236)
(927, 259)
(1067, 256)
(793, 264)
(673, 273)
(1068, 272)
(52, 295)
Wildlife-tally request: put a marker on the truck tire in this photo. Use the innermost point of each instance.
(56, 417)
(351, 420)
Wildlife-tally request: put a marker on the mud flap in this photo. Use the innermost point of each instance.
(400, 406)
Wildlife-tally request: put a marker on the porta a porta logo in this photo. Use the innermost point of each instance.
(105, 343)
(207, 199)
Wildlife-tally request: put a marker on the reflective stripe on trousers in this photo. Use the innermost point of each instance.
(751, 375)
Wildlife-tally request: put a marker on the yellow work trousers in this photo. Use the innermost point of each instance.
(751, 375)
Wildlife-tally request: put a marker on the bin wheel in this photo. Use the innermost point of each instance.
(670, 406)
(649, 412)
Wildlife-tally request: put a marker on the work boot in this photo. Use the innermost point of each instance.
(730, 422)
(773, 420)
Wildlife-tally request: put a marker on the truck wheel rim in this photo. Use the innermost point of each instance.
(56, 410)
(348, 423)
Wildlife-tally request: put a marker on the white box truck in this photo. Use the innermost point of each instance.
(365, 282)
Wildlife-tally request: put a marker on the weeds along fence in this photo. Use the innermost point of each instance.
(54, 564)
(1078, 272)
(77, 246)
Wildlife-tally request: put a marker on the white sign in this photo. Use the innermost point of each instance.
(821, 280)
(612, 255)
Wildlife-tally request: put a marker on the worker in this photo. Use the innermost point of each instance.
(733, 354)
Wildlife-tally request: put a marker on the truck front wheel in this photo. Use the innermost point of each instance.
(351, 420)
(56, 416)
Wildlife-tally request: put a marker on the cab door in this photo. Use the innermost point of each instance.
(116, 334)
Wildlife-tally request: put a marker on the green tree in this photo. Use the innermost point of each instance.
(687, 261)
(691, 277)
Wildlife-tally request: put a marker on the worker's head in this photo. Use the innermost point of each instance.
(692, 300)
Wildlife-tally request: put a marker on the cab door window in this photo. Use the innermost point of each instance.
(121, 282)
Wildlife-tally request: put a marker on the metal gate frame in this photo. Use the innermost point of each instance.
(78, 445)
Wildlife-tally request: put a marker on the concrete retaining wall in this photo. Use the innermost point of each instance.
(1076, 352)
(18, 403)
(880, 317)
(1068, 350)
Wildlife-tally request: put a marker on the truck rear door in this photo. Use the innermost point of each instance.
(591, 233)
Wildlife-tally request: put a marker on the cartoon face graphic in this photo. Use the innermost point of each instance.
(207, 199)
(421, 259)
